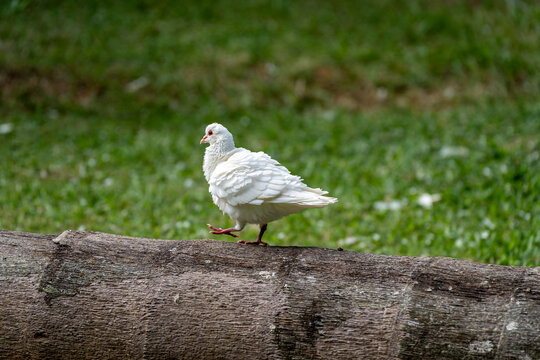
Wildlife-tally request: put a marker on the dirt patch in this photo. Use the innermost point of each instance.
(31, 86)
(237, 85)
(341, 87)
(328, 86)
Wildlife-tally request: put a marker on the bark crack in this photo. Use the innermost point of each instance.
(405, 299)
(506, 318)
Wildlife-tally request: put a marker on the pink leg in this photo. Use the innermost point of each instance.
(258, 241)
(220, 231)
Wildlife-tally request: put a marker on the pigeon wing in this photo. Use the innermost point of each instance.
(250, 178)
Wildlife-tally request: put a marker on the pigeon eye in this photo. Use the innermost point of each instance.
(210, 132)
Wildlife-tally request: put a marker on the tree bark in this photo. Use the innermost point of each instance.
(94, 295)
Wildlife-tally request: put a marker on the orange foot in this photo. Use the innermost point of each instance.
(220, 231)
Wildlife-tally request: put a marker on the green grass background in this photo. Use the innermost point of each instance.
(374, 101)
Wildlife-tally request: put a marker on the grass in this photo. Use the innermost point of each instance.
(378, 102)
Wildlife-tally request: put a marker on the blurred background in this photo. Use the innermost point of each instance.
(422, 117)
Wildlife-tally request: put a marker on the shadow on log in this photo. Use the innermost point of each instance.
(95, 295)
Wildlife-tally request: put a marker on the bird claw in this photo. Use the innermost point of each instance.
(220, 231)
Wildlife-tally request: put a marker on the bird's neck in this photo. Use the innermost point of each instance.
(215, 154)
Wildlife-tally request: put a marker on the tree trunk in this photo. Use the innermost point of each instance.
(94, 295)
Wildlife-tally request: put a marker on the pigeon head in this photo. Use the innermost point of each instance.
(217, 134)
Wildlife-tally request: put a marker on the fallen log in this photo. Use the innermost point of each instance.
(94, 295)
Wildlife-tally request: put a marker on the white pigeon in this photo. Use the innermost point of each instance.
(252, 188)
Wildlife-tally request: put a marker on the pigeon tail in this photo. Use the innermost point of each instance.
(305, 198)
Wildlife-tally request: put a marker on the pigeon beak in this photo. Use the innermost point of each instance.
(203, 140)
